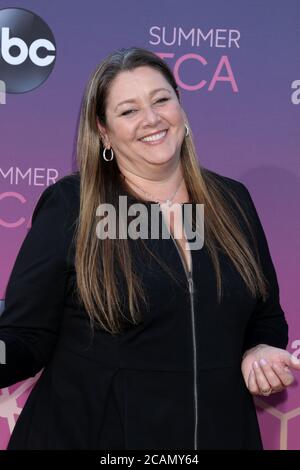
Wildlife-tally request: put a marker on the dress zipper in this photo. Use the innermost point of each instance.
(189, 276)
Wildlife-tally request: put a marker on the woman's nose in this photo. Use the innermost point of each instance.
(150, 116)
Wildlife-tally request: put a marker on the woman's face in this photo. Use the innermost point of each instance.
(153, 108)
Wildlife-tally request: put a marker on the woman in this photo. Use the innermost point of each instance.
(144, 344)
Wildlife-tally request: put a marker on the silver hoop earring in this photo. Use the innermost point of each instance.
(187, 131)
(111, 154)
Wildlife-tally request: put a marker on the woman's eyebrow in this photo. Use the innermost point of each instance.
(132, 100)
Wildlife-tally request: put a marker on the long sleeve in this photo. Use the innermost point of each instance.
(29, 325)
(267, 324)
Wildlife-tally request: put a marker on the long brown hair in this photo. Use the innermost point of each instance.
(100, 182)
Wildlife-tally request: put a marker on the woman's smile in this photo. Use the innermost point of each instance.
(155, 139)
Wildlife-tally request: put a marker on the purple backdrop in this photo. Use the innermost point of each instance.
(238, 69)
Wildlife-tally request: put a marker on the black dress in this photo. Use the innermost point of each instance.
(172, 382)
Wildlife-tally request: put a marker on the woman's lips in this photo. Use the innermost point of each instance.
(155, 142)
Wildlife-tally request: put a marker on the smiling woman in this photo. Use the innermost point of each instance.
(135, 126)
(143, 344)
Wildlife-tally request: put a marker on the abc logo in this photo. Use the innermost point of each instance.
(27, 50)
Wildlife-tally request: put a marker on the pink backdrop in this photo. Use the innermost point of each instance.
(237, 66)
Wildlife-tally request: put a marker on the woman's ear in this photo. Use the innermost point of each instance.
(103, 134)
(184, 114)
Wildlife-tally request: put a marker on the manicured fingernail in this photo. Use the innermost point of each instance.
(295, 360)
(256, 364)
(263, 362)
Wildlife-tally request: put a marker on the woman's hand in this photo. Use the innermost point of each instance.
(266, 369)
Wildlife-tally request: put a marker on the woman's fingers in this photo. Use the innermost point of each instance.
(283, 373)
(272, 377)
(265, 387)
(252, 385)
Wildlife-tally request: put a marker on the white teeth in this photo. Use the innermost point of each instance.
(154, 137)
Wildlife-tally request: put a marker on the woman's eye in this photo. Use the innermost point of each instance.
(127, 112)
(162, 99)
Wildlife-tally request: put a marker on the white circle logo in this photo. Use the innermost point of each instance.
(27, 50)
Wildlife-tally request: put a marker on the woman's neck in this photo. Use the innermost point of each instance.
(159, 186)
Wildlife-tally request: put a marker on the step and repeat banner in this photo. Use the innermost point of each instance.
(237, 65)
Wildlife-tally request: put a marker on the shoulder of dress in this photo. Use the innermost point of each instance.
(69, 182)
(65, 192)
(69, 186)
